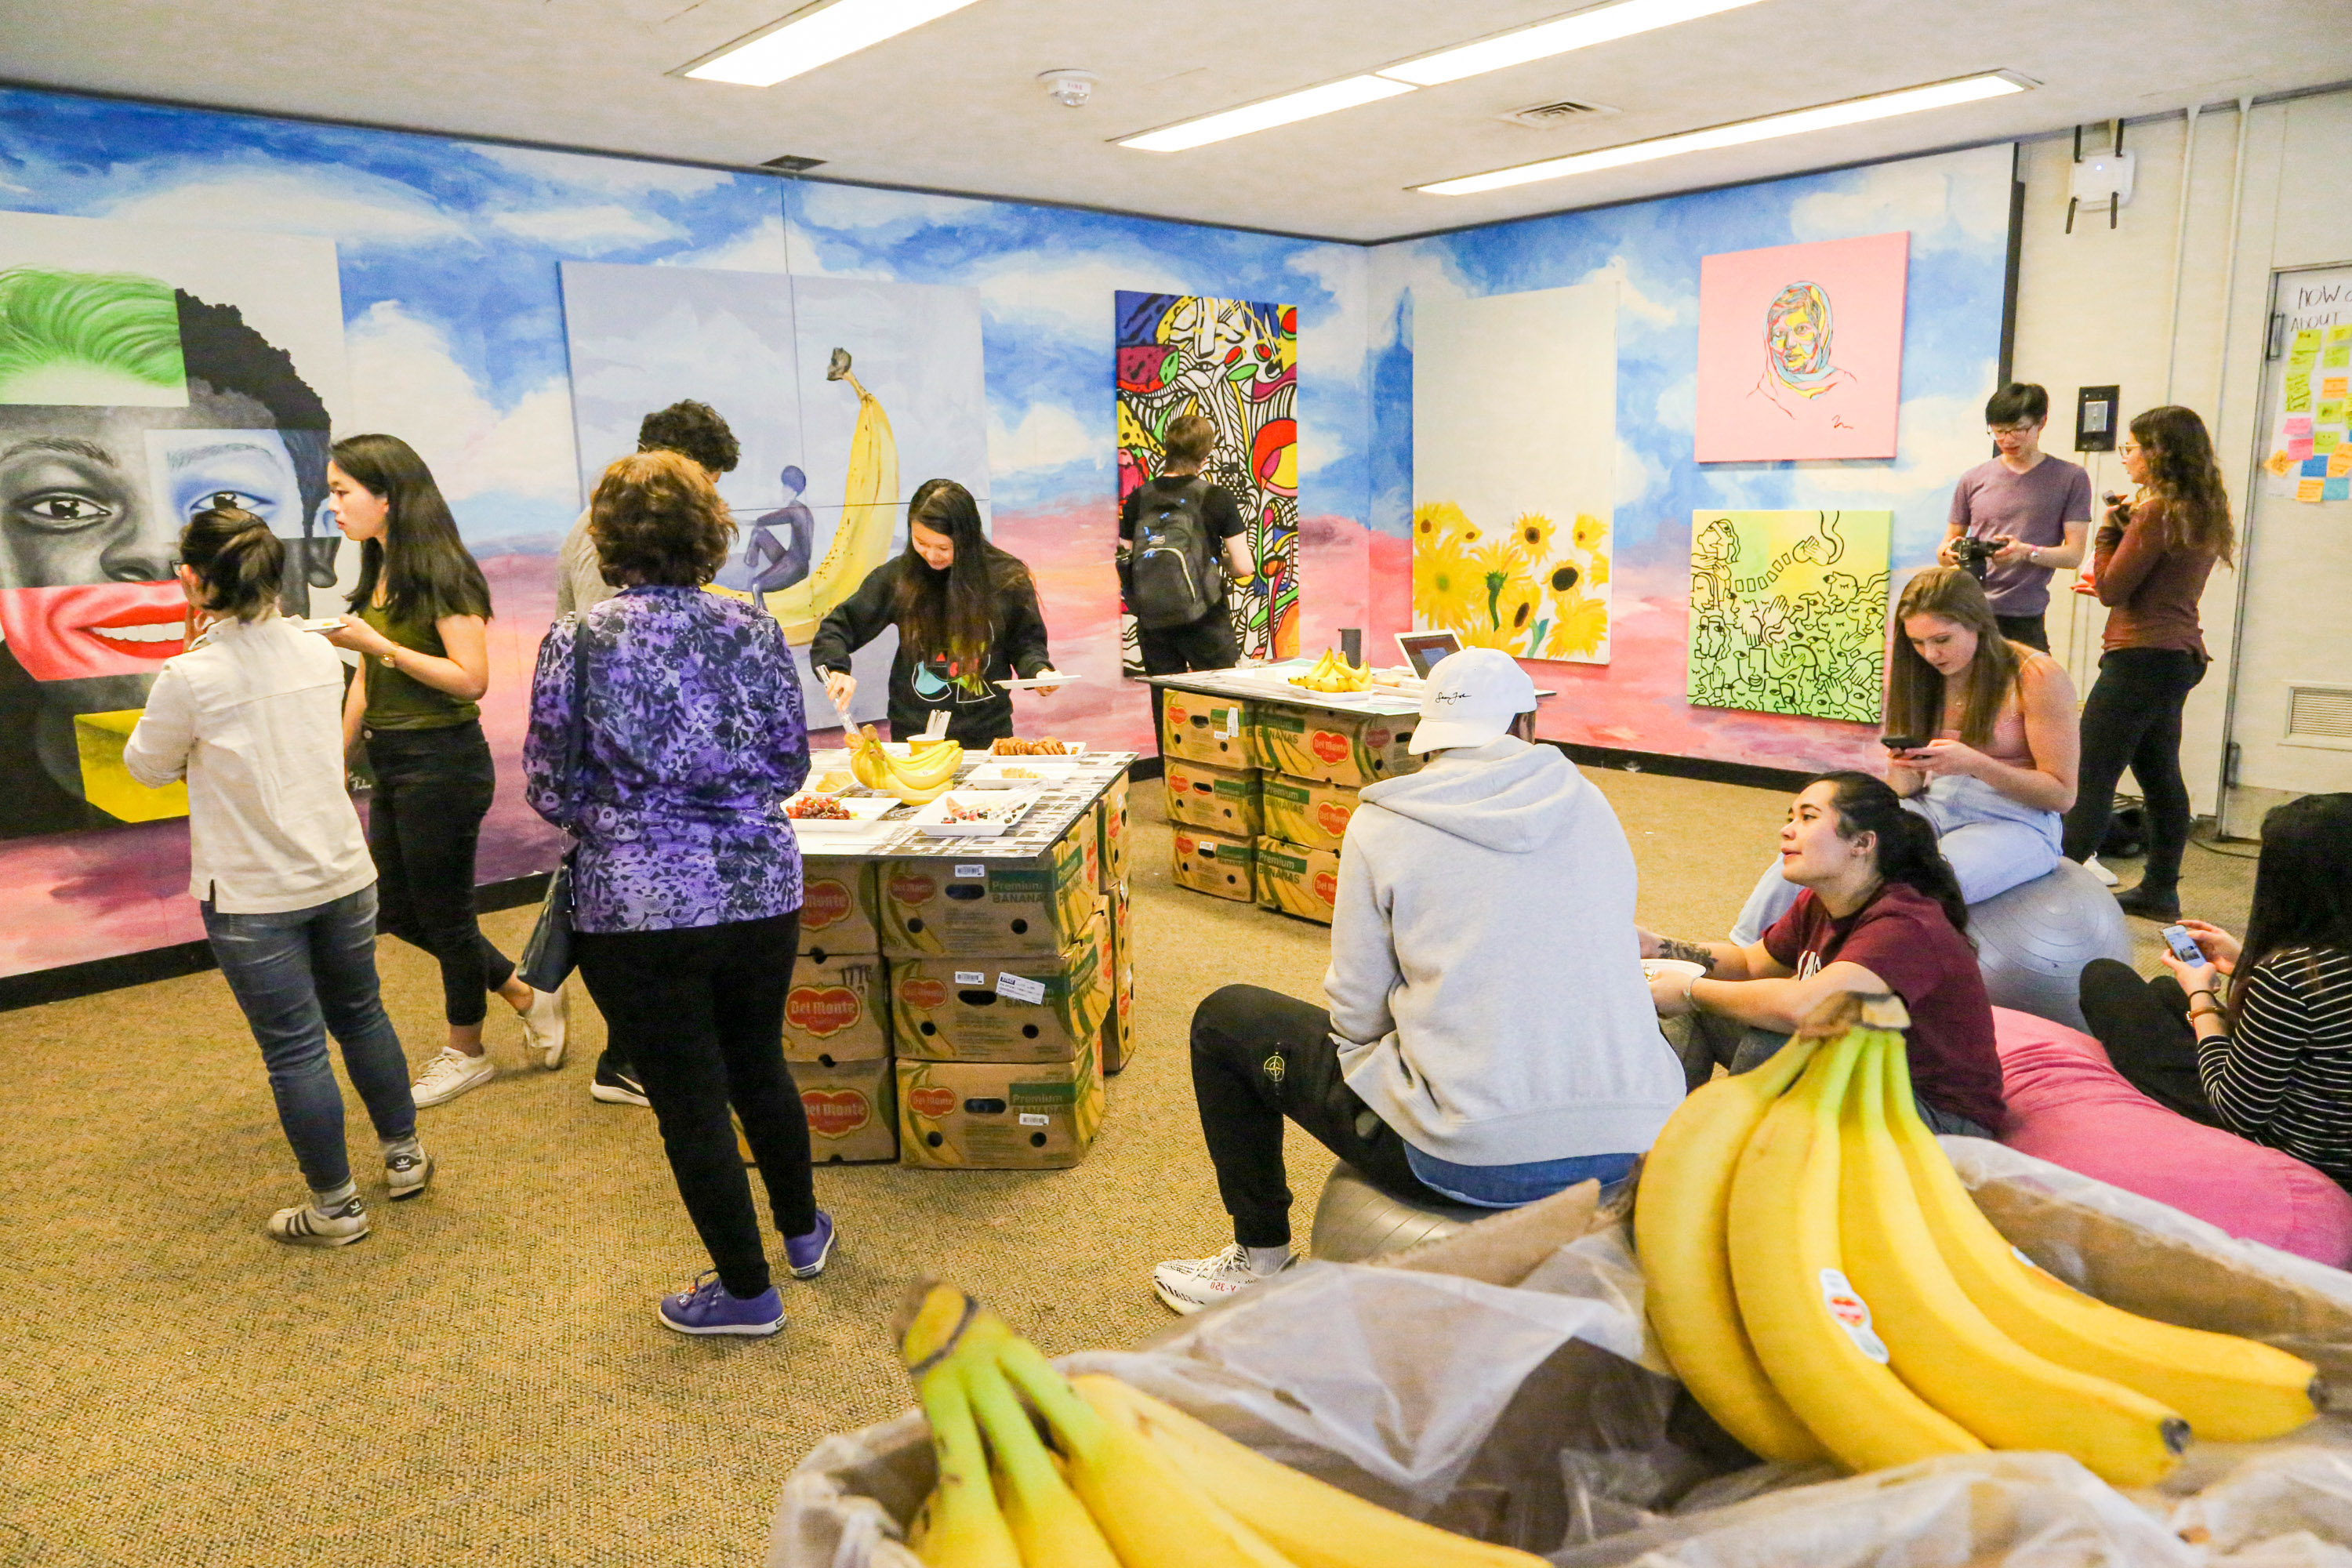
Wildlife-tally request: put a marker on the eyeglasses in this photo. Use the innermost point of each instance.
(2024, 429)
(2129, 447)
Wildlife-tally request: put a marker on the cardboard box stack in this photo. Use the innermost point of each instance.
(1001, 973)
(837, 1018)
(1313, 763)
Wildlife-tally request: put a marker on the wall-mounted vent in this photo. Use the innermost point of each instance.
(2319, 714)
(1560, 112)
(792, 163)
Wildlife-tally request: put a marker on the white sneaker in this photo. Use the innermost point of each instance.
(1189, 1285)
(2106, 879)
(306, 1227)
(449, 1075)
(545, 1024)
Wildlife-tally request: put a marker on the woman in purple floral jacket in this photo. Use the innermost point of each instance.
(686, 879)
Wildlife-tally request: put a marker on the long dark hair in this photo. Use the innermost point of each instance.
(1907, 851)
(239, 561)
(2303, 886)
(1915, 692)
(952, 613)
(427, 571)
(2182, 474)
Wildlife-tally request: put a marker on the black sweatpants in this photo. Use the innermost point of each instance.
(1259, 1056)
(700, 1013)
(2032, 630)
(433, 787)
(1205, 644)
(2144, 1025)
(2132, 719)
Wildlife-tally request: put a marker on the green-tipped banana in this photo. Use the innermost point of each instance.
(1048, 1523)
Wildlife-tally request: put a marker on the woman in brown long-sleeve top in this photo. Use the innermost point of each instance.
(2150, 563)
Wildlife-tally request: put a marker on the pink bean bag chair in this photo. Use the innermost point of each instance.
(2067, 1105)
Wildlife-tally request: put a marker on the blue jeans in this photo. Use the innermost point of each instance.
(298, 975)
(1513, 1186)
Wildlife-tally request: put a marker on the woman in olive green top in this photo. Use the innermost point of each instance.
(422, 635)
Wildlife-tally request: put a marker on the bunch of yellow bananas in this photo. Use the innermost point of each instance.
(926, 773)
(1129, 1482)
(1332, 672)
(1821, 1281)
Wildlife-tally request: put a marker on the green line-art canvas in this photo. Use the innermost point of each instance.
(1788, 612)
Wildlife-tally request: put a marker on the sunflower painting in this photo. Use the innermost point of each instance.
(1514, 452)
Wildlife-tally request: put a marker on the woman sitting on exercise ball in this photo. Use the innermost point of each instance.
(967, 617)
(1877, 909)
(2270, 1064)
(1990, 744)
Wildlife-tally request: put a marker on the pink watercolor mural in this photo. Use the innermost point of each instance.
(1801, 350)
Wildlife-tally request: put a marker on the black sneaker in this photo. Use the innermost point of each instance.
(2161, 904)
(617, 1086)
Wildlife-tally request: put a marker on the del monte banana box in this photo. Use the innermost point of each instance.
(1113, 822)
(945, 905)
(993, 1116)
(1203, 729)
(1352, 749)
(1297, 881)
(1118, 1026)
(834, 1010)
(1311, 814)
(1213, 863)
(837, 905)
(853, 1112)
(1223, 800)
(1004, 1009)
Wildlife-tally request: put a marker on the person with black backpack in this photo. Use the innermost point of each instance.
(1185, 542)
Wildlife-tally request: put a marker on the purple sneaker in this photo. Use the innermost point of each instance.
(807, 1253)
(706, 1308)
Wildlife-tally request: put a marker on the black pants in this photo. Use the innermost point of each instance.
(2144, 1025)
(2026, 629)
(2132, 718)
(1205, 644)
(433, 787)
(700, 1012)
(1259, 1056)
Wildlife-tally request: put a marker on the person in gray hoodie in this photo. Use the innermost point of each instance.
(1491, 1038)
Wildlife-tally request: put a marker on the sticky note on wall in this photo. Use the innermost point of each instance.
(2335, 489)
(2309, 489)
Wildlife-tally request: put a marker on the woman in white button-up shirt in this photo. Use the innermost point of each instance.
(251, 716)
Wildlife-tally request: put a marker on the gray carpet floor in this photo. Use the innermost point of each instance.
(483, 1381)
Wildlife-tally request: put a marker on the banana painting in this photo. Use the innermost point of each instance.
(869, 514)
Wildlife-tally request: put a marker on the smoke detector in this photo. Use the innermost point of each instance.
(1068, 87)
(1560, 111)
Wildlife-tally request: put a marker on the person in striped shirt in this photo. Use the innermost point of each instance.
(2273, 1061)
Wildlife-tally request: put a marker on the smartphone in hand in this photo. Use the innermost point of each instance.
(2184, 946)
(1902, 743)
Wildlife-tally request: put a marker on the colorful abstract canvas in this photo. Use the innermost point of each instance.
(1801, 350)
(147, 373)
(1788, 612)
(1514, 448)
(1235, 362)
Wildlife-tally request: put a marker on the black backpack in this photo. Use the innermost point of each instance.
(1172, 577)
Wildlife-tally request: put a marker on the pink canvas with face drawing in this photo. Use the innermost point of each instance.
(1801, 350)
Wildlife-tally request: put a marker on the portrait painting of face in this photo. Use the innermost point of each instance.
(1801, 350)
(127, 405)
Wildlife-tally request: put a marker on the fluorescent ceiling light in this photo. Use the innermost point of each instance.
(1598, 26)
(1853, 112)
(1284, 110)
(812, 38)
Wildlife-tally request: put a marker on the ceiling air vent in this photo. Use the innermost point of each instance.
(792, 163)
(2319, 715)
(1560, 112)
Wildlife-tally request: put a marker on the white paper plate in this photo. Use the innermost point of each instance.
(1005, 807)
(861, 808)
(1653, 967)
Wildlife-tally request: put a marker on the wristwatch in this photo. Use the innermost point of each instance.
(389, 660)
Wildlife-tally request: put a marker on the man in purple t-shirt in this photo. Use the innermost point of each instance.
(2035, 506)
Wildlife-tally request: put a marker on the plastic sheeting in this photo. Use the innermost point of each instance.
(1520, 1410)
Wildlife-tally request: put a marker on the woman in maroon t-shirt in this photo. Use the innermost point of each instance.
(1879, 912)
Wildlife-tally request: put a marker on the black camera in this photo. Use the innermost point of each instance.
(1973, 554)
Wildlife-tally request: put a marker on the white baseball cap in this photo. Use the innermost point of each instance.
(1471, 699)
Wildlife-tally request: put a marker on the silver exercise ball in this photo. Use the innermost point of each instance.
(2033, 940)
(1354, 1222)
